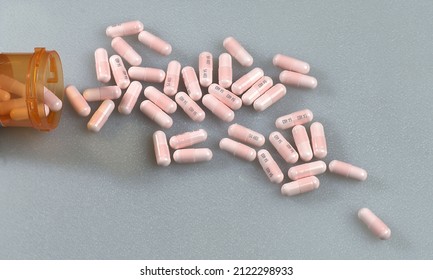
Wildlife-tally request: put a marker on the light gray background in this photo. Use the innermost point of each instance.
(78, 195)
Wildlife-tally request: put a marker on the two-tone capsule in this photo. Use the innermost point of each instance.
(298, 80)
(347, 170)
(307, 169)
(283, 147)
(192, 155)
(130, 98)
(302, 142)
(235, 49)
(155, 113)
(100, 116)
(246, 135)
(190, 107)
(247, 80)
(191, 83)
(257, 90)
(290, 63)
(52, 101)
(188, 139)
(172, 78)
(160, 99)
(225, 71)
(162, 152)
(146, 74)
(124, 29)
(126, 51)
(303, 185)
(102, 93)
(102, 65)
(119, 72)
(205, 68)
(296, 118)
(271, 168)
(225, 96)
(270, 97)
(318, 140)
(154, 43)
(237, 149)
(374, 224)
(218, 108)
(77, 101)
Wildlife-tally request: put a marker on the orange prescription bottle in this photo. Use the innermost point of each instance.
(31, 89)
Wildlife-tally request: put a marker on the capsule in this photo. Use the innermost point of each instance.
(22, 113)
(295, 118)
(191, 83)
(302, 142)
(307, 169)
(77, 101)
(130, 98)
(270, 167)
(347, 170)
(292, 64)
(235, 49)
(238, 149)
(52, 101)
(124, 29)
(172, 78)
(155, 43)
(160, 99)
(225, 71)
(102, 65)
(4, 95)
(205, 68)
(157, 115)
(188, 139)
(258, 89)
(303, 185)
(190, 107)
(162, 152)
(126, 51)
(102, 93)
(119, 72)
(147, 74)
(270, 97)
(246, 135)
(318, 140)
(7, 106)
(101, 116)
(192, 155)
(247, 80)
(298, 80)
(218, 108)
(12, 86)
(283, 147)
(225, 96)
(374, 224)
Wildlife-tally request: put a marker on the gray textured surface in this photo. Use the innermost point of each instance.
(75, 194)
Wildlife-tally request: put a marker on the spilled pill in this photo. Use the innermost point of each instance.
(235, 49)
(188, 139)
(192, 155)
(374, 224)
(347, 170)
(303, 185)
(246, 135)
(162, 152)
(270, 167)
(237, 149)
(100, 116)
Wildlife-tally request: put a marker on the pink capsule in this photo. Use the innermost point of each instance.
(130, 98)
(225, 71)
(146, 74)
(347, 170)
(190, 107)
(9, 105)
(302, 142)
(162, 152)
(303, 185)
(12, 86)
(160, 99)
(126, 51)
(157, 115)
(292, 64)
(188, 139)
(283, 147)
(374, 223)
(191, 83)
(270, 97)
(101, 116)
(124, 29)
(247, 80)
(52, 101)
(295, 118)
(192, 155)
(172, 78)
(238, 149)
(119, 72)
(218, 108)
(258, 89)
(318, 140)
(225, 96)
(205, 68)
(155, 43)
(234, 48)
(102, 93)
(246, 135)
(77, 101)
(298, 80)
(22, 113)
(270, 167)
(307, 169)
(4, 95)
(102, 66)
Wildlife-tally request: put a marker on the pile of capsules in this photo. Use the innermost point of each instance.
(253, 88)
